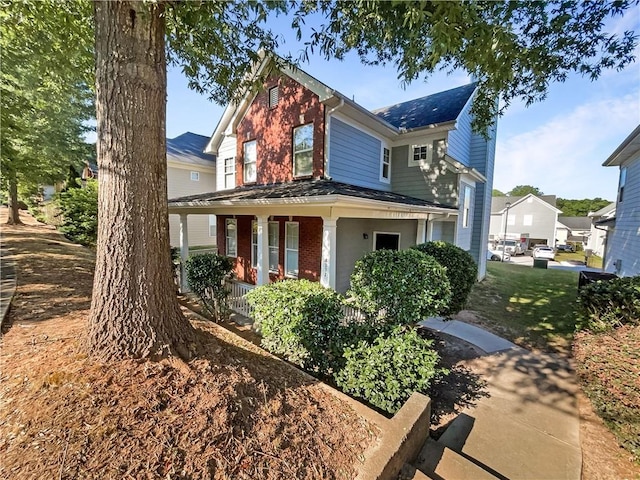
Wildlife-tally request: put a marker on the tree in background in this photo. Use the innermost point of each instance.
(497, 193)
(522, 190)
(580, 208)
(514, 50)
(45, 96)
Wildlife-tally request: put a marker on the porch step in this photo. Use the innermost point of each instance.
(409, 472)
(439, 462)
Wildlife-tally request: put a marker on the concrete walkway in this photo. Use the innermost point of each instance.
(526, 428)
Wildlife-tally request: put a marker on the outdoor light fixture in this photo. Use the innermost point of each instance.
(504, 239)
(365, 236)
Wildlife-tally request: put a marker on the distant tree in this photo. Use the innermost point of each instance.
(580, 208)
(522, 190)
(497, 193)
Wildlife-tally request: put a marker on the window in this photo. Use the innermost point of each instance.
(274, 244)
(426, 153)
(212, 225)
(385, 167)
(292, 232)
(250, 161)
(231, 237)
(303, 150)
(527, 220)
(229, 172)
(273, 97)
(195, 176)
(386, 241)
(623, 180)
(466, 209)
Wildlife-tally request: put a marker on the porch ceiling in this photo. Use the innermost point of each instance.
(323, 198)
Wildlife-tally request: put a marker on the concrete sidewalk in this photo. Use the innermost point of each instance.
(527, 427)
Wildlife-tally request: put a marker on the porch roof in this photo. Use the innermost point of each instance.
(310, 192)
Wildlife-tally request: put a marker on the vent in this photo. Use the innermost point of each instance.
(273, 97)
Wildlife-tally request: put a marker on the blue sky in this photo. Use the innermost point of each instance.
(557, 145)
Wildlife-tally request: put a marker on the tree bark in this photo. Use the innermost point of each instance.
(14, 207)
(134, 310)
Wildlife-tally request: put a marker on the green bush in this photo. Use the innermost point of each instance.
(388, 370)
(300, 320)
(462, 271)
(399, 287)
(79, 211)
(604, 305)
(206, 274)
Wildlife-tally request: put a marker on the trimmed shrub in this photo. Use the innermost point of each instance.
(79, 210)
(206, 274)
(300, 321)
(399, 287)
(462, 271)
(388, 370)
(604, 305)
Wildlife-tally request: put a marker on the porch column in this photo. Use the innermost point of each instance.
(430, 231)
(328, 269)
(262, 260)
(184, 252)
(422, 231)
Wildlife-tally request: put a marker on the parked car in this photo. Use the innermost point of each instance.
(513, 247)
(544, 251)
(497, 254)
(564, 248)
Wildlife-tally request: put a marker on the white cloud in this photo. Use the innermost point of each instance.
(564, 155)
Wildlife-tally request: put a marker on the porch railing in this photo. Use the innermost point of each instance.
(237, 301)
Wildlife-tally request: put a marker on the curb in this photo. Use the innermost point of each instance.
(8, 283)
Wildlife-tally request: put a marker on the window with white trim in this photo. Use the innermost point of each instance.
(466, 209)
(386, 241)
(231, 237)
(249, 159)
(292, 234)
(273, 96)
(229, 172)
(274, 245)
(254, 244)
(212, 225)
(303, 150)
(426, 153)
(385, 165)
(623, 180)
(527, 220)
(195, 176)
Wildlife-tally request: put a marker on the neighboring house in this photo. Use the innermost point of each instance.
(190, 171)
(573, 230)
(622, 254)
(599, 230)
(531, 219)
(308, 181)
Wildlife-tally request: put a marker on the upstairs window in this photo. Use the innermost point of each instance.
(274, 95)
(424, 154)
(466, 209)
(250, 161)
(385, 167)
(623, 180)
(195, 176)
(229, 172)
(303, 150)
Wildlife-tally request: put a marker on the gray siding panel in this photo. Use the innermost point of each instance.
(465, 233)
(459, 140)
(624, 241)
(354, 156)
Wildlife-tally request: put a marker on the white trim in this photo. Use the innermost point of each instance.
(194, 176)
(306, 150)
(375, 236)
(287, 249)
(328, 258)
(253, 161)
(214, 225)
(276, 246)
(184, 251)
(230, 221)
(384, 179)
(232, 173)
(467, 205)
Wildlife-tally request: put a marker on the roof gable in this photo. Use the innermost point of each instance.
(189, 148)
(499, 204)
(576, 223)
(433, 109)
(608, 210)
(629, 147)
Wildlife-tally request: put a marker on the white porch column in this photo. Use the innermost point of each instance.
(422, 231)
(430, 231)
(184, 252)
(328, 269)
(262, 260)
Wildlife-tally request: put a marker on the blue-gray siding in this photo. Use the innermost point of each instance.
(354, 156)
(459, 140)
(623, 244)
(465, 233)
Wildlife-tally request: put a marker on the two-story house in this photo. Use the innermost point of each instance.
(190, 171)
(530, 219)
(308, 181)
(622, 253)
(599, 229)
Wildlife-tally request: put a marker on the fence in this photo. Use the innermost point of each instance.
(237, 301)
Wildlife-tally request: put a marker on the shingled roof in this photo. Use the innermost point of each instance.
(433, 109)
(500, 203)
(302, 189)
(189, 147)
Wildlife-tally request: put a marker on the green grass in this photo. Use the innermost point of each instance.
(594, 261)
(532, 307)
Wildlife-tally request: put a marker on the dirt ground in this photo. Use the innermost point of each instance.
(232, 413)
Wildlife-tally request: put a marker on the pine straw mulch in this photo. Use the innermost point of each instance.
(235, 412)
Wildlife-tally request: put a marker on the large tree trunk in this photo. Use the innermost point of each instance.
(14, 207)
(134, 310)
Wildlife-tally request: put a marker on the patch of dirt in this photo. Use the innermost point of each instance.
(235, 412)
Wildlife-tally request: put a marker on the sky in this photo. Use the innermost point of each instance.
(557, 145)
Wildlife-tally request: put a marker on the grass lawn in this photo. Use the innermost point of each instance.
(594, 261)
(529, 306)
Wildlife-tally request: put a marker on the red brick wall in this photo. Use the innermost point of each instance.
(309, 247)
(272, 128)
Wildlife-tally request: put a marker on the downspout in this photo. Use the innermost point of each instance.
(327, 127)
